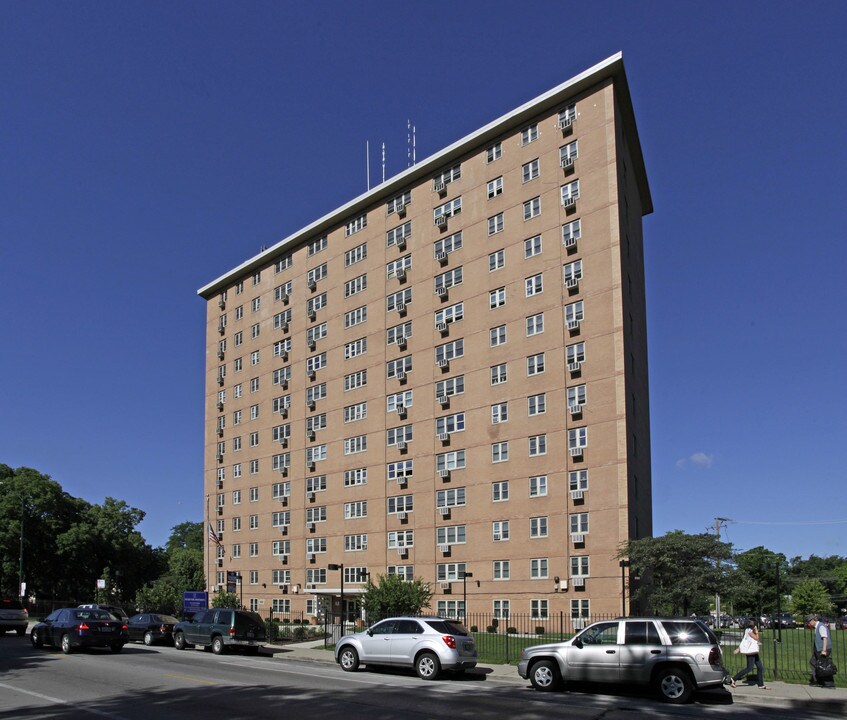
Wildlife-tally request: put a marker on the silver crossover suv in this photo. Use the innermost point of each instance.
(428, 644)
(674, 656)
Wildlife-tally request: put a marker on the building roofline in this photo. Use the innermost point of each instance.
(610, 68)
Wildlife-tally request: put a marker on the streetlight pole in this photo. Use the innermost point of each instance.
(624, 565)
(465, 576)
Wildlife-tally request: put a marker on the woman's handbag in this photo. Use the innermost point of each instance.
(748, 645)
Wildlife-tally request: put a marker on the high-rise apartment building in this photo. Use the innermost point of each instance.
(446, 375)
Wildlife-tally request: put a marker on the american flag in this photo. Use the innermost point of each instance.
(213, 536)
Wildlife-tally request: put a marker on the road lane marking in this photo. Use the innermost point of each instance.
(58, 701)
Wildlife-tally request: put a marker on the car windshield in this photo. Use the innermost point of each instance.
(448, 627)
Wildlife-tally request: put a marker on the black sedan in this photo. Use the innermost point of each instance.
(71, 628)
(152, 628)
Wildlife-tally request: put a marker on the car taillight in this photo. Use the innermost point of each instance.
(83, 626)
(449, 641)
(123, 627)
(163, 629)
(715, 656)
(26, 614)
(232, 632)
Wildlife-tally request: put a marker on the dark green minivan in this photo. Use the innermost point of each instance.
(220, 629)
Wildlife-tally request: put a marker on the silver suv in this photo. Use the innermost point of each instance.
(428, 644)
(13, 616)
(674, 656)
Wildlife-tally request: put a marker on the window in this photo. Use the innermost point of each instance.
(538, 527)
(572, 273)
(316, 303)
(239, 338)
(355, 380)
(538, 486)
(447, 176)
(395, 435)
(579, 523)
(497, 260)
(537, 445)
(497, 336)
(497, 298)
(575, 355)
(532, 247)
(316, 274)
(500, 530)
(495, 224)
(254, 331)
(568, 154)
(398, 300)
(400, 503)
(580, 567)
(446, 572)
(578, 480)
(574, 313)
(499, 374)
(538, 568)
(529, 134)
(576, 398)
(357, 476)
(402, 399)
(315, 333)
(448, 244)
(494, 152)
(536, 405)
(570, 193)
(495, 187)
(356, 254)
(566, 117)
(315, 362)
(499, 413)
(316, 454)
(254, 522)
(254, 412)
(316, 514)
(401, 538)
(316, 576)
(356, 317)
(355, 348)
(499, 452)
(352, 413)
(539, 608)
(254, 385)
(532, 208)
(571, 232)
(315, 246)
(399, 203)
(534, 285)
(404, 572)
(399, 235)
(282, 292)
(355, 444)
(399, 268)
(500, 570)
(450, 386)
(355, 225)
(580, 609)
(448, 209)
(236, 550)
(356, 285)
(400, 470)
(450, 535)
(449, 279)
(254, 439)
(535, 364)
(450, 351)
(255, 304)
(356, 543)
(450, 423)
(257, 277)
(400, 365)
(453, 460)
(356, 509)
(530, 170)
(501, 609)
(236, 524)
(453, 497)
(535, 325)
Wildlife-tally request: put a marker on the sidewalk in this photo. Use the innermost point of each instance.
(777, 694)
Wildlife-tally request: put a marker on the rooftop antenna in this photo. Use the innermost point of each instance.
(383, 162)
(368, 161)
(410, 144)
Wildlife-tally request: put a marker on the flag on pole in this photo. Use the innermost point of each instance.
(213, 536)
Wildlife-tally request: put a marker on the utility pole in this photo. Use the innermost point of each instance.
(718, 522)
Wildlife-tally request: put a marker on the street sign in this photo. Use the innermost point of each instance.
(194, 601)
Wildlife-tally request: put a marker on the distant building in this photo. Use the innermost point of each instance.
(446, 375)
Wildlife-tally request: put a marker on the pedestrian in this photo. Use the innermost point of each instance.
(749, 646)
(821, 648)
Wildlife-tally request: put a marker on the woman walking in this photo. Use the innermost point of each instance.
(749, 646)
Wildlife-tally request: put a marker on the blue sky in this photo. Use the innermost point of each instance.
(146, 148)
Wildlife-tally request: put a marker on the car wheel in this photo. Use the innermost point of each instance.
(116, 648)
(544, 676)
(36, 640)
(218, 646)
(148, 637)
(674, 686)
(348, 658)
(65, 644)
(179, 641)
(427, 666)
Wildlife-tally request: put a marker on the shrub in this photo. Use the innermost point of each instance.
(491, 629)
(285, 621)
(512, 630)
(300, 633)
(474, 628)
(539, 630)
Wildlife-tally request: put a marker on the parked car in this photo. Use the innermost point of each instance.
(70, 628)
(783, 620)
(151, 628)
(841, 623)
(673, 656)
(427, 644)
(116, 610)
(220, 629)
(13, 616)
(745, 621)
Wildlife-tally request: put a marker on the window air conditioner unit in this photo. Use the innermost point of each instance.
(574, 367)
(570, 241)
(400, 307)
(578, 582)
(283, 500)
(220, 458)
(283, 441)
(566, 123)
(283, 559)
(443, 400)
(221, 303)
(441, 291)
(400, 273)
(441, 257)
(577, 494)
(444, 473)
(401, 243)
(283, 470)
(576, 451)
(441, 327)
(567, 161)
(441, 220)
(283, 529)
(497, 537)
(310, 465)
(401, 551)
(284, 298)
(401, 516)
(284, 355)
(220, 562)
(220, 354)
(220, 484)
(310, 434)
(401, 445)
(311, 284)
(310, 526)
(401, 342)
(312, 314)
(310, 404)
(311, 557)
(444, 437)
(400, 375)
(571, 283)
(221, 380)
(220, 406)
(285, 327)
(578, 538)
(443, 363)
(220, 510)
(445, 586)
(310, 496)
(575, 409)
(401, 410)
(220, 432)
(569, 201)
(444, 549)
(401, 209)
(443, 511)
(311, 374)
(283, 411)
(439, 186)
(402, 481)
(573, 324)
(221, 329)
(311, 343)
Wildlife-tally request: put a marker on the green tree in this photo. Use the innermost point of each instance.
(187, 536)
(394, 596)
(810, 596)
(184, 552)
(679, 572)
(830, 571)
(225, 599)
(752, 585)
